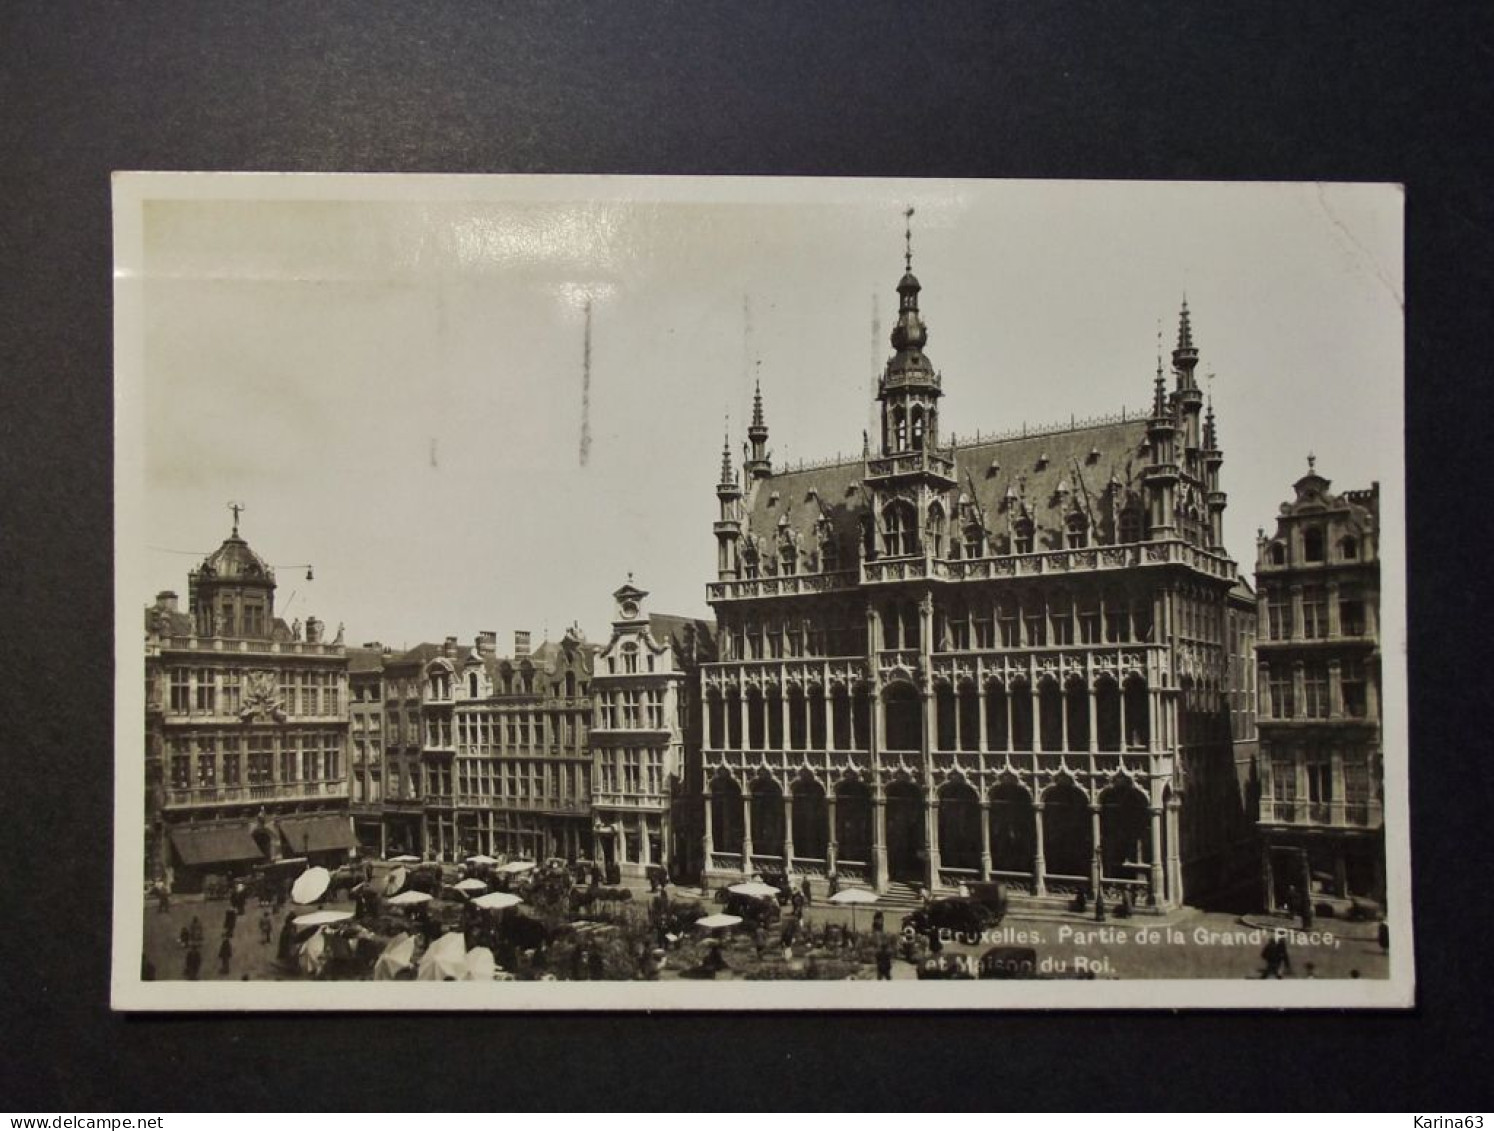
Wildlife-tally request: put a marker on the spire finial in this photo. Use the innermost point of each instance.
(1312, 463)
(236, 507)
(1185, 327)
(757, 403)
(908, 239)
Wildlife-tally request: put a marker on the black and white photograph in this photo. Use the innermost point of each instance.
(745, 593)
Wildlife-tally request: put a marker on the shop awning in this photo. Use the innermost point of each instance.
(322, 832)
(214, 844)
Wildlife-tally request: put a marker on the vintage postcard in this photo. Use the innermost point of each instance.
(697, 593)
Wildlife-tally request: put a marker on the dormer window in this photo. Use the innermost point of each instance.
(1022, 535)
(630, 658)
(975, 537)
(1349, 549)
(471, 685)
(1078, 532)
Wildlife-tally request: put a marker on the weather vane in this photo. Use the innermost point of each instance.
(236, 507)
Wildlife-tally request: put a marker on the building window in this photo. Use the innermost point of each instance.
(1278, 616)
(232, 691)
(1349, 549)
(1315, 691)
(181, 771)
(1284, 786)
(1130, 525)
(231, 767)
(1277, 554)
(254, 624)
(1351, 612)
(181, 691)
(1078, 532)
(1352, 679)
(975, 540)
(1282, 698)
(1314, 612)
(630, 658)
(207, 770)
(1356, 789)
(261, 760)
(1319, 785)
(225, 619)
(1312, 544)
(1022, 535)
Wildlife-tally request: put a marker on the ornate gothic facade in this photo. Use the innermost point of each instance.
(999, 658)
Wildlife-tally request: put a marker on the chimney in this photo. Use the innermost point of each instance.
(521, 643)
(166, 599)
(451, 647)
(487, 643)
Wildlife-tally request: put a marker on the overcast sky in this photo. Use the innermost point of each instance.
(388, 372)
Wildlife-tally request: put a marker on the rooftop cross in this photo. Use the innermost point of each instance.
(236, 508)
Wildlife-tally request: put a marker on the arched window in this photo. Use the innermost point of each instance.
(975, 540)
(630, 658)
(899, 430)
(1277, 554)
(900, 526)
(471, 685)
(788, 558)
(936, 530)
(1349, 548)
(917, 429)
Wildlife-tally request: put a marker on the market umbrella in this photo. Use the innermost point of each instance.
(405, 859)
(514, 867)
(313, 956)
(409, 898)
(853, 896)
(322, 918)
(310, 885)
(445, 959)
(712, 922)
(396, 957)
(481, 859)
(470, 886)
(755, 889)
(496, 901)
(480, 964)
(395, 880)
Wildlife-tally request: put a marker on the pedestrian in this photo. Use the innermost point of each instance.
(786, 938)
(834, 881)
(266, 927)
(225, 954)
(884, 963)
(798, 901)
(163, 897)
(597, 969)
(578, 959)
(808, 892)
(195, 930)
(936, 944)
(760, 940)
(287, 942)
(185, 938)
(230, 922)
(877, 923)
(1383, 934)
(194, 963)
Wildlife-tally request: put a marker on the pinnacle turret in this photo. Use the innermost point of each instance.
(1185, 357)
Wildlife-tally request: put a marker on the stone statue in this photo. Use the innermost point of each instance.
(338, 638)
(296, 629)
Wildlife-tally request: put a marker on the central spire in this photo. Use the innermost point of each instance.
(908, 240)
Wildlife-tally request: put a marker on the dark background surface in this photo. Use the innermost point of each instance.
(1334, 91)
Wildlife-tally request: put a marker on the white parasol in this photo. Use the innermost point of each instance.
(713, 922)
(409, 898)
(480, 965)
(497, 901)
(445, 959)
(397, 957)
(481, 860)
(515, 867)
(853, 896)
(322, 918)
(405, 859)
(394, 881)
(310, 885)
(470, 886)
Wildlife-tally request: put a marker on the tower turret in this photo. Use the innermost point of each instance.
(758, 465)
(1213, 459)
(910, 388)
(1160, 478)
(1184, 362)
(729, 521)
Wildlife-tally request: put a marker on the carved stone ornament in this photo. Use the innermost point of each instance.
(262, 698)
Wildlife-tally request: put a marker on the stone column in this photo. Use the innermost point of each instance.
(983, 741)
(1333, 621)
(1096, 863)
(931, 836)
(708, 841)
(831, 846)
(788, 830)
(985, 839)
(1335, 689)
(785, 731)
(1039, 860)
(1155, 896)
(1174, 858)
(1298, 626)
(742, 715)
(747, 830)
(1094, 721)
(879, 839)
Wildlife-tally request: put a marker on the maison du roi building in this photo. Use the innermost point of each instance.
(1321, 812)
(1025, 657)
(246, 727)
